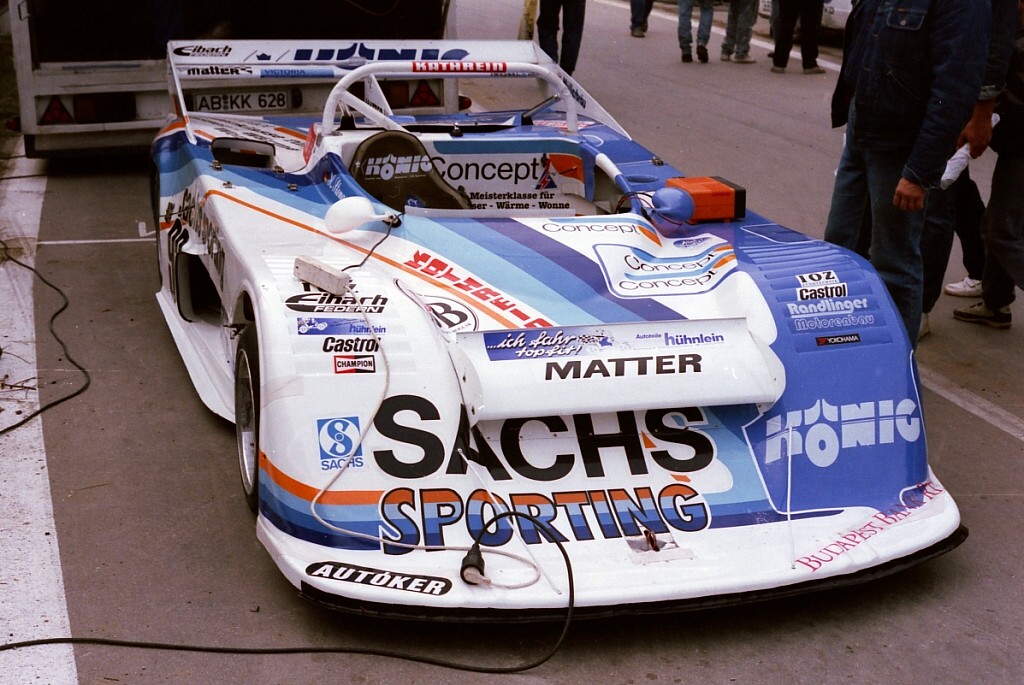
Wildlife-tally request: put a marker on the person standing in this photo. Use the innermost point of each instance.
(572, 13)
(959, 208)
(639, 11)
(739, 24)
(910, 77)
(707, 15)
(1002, 226)
(956, 210)
(809, 14)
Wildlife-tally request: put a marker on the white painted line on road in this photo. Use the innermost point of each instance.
(972, 403)
(32, 600)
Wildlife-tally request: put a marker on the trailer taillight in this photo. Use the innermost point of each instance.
(56, 113)
(103, 108)
(90, 108)
(396, 93)
(424, 96)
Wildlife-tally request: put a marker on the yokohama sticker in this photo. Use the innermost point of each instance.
(361, 575)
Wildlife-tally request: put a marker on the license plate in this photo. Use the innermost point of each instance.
(248, 101)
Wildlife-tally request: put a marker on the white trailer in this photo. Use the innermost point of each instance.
(92, 76)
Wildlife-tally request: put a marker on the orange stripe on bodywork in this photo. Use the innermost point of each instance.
(290, 132)
(725, 260)
(308, 492)
(509, 323)
(649, 234)
(567, 165)
(173, 126)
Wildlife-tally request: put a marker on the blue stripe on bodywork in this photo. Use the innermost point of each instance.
(581, 296)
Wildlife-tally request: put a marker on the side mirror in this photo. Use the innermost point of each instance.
(352, 212)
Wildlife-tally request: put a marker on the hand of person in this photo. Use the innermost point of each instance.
(909, 196)
(978, 131)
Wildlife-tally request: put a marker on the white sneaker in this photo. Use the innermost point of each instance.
(965, 288)
(925, 328)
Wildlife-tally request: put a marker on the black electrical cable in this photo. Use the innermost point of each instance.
(63, 346)
(359, 651)
(392, 221)
(370, 11)
(136, 644)
(22, 177)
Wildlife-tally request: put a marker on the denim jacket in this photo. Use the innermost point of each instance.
(913, 70)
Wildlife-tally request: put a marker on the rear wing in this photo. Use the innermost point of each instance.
(615, 367)
(246, 78)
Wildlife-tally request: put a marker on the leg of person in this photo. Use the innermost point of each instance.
(1003, 231)
(810, 27)
(968, 208)
(783, 30)
(729, 41)
(745, 17)
(707, 17)
(573, 14)
(936, 243)
(1003, 227)
(996, 297)
(648, 6)
(895, 237)
(685, 30)
(848, 214)
(547, 27)
(637, 18)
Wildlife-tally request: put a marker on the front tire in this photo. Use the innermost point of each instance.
(247, 414)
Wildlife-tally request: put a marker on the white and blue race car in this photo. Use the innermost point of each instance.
(486, 362)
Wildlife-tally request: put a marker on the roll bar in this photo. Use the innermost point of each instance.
(438, 69)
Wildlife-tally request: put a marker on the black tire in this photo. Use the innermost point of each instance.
(247, 414)
(154, 201)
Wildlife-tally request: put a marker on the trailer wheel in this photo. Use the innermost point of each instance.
(247, 414)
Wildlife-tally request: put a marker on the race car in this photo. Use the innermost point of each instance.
(488, 357)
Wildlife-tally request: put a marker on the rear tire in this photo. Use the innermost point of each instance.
(247, 414)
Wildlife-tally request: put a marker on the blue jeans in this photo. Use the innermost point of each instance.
(738, 26)
(707, 15)
(639, 10)
(862, 209)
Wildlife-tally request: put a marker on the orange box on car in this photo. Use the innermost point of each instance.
(714, 198)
